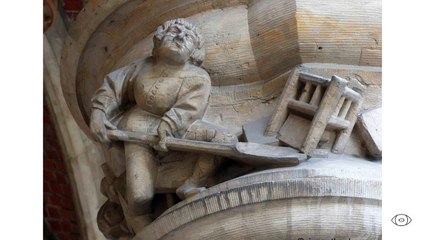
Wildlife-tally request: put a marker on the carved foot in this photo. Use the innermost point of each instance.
(188, 190)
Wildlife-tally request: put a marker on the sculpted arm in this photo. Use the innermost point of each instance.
(108, 99)
(190, 106)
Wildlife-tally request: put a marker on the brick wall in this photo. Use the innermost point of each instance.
(72, 7)
(58, 208)
(59, 214)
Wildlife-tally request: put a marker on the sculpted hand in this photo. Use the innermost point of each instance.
(163, 131)
(99, 125)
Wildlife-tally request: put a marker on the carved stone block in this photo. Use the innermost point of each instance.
(253, 132)
(294, 132)
(370, 127)
(250, 47)
(327, 103)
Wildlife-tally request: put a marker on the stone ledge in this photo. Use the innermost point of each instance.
(342, 177)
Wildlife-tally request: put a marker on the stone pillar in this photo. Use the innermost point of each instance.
(81, 156)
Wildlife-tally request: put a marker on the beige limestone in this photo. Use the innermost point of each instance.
(370, 127)
(251, 48)
(288, 27)
(82, 157)
(285, 203)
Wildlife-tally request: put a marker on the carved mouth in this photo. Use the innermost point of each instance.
(172, 44)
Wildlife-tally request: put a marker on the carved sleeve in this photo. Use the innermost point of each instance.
(191, 104)
(115, 91)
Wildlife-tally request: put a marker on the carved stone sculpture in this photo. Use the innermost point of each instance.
(166, 94)
(255, 132)
(330, 103)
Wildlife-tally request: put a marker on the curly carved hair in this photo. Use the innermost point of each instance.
(197, 56)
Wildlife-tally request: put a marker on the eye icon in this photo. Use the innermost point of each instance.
(401, 220)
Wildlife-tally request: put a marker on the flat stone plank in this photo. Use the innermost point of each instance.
(294, 131)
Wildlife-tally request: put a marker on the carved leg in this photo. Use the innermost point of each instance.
(141, 171)
(204, 167)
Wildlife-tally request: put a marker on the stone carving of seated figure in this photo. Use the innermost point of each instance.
(165, 94)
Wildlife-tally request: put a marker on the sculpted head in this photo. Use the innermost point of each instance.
(179, 41)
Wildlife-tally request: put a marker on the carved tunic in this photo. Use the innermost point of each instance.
(156, 95)
(177, 100)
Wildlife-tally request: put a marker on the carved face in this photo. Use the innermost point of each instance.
(177, 44)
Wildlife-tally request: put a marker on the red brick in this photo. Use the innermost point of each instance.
(46, 119)
(54, 154)
(54, 200)
(56, 188)
(61, 178)
(48, 163)
(67, 203)
(75, 236)
(58, 210)
(66, 190)
(55, 225)
(64, 214)
(66, 227)
(45, 215)
(46, 186)
(73, 5)
(60, 157)
(51, 142)
(75, 228)
(49, 175)
(72, 217)
(46, 133)
(53, 212)
(63, 236)
(60, 166)
(72, 236)
(68, 214)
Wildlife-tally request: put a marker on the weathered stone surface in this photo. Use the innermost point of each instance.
(260, 39)
(250, 47)
(253, 132)
(355, 146)
(177, 172)
(324, 113)
(327, 103)
(160, 102)
(281, 110)
(294, 131)
(370, 127)
(369, 77)
(323, 34)
(347, 190)
(81, 155)
(320, 153)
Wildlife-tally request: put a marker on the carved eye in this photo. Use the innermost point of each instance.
(401, 220)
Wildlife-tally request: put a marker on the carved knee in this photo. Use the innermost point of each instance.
(140, 204)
